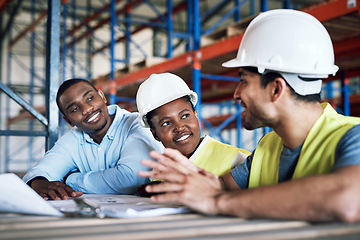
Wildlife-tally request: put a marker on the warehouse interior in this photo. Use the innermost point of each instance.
(117, 44)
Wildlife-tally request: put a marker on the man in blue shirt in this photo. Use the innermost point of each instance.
(100, 155)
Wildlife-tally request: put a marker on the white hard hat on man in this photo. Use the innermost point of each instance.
(304, 49)
(151, 94)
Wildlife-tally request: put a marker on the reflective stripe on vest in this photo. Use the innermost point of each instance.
(317, 154)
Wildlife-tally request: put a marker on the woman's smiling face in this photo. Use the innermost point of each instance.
(176, 125)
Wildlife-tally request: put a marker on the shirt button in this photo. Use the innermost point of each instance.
(99, 148)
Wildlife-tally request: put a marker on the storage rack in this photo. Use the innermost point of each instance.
(199, 64)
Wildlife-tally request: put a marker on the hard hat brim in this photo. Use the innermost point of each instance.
(233, 63)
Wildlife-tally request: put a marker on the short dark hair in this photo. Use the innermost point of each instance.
(151, 114)
(271, 76)
(66, 85)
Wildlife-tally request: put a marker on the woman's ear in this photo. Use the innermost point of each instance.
(196, 114)
(155, 135)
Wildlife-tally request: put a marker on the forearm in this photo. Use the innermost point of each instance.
(51, 172)
(319, 198)
(119, 180)
(54, 166)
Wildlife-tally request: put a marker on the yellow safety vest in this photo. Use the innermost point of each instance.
(217, 157)
(317, 154)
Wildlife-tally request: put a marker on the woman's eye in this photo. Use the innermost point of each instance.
(73, 110)
(185, 116)
(90, 98)
(164, 124)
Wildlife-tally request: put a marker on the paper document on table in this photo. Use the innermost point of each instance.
(122, 206)
(17, 197)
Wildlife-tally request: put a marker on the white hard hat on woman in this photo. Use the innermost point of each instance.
(155, 92)
(303, 51)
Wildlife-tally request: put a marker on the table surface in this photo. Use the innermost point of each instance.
(178, 226)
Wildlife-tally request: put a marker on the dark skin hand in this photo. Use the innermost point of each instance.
(142, 191)
(53, 190)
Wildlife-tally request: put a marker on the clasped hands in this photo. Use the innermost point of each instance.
(184, 182)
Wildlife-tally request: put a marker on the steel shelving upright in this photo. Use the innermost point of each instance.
(52, 67)
(198, 64)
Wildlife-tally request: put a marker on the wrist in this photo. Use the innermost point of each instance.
(218, 203)
(29, 183)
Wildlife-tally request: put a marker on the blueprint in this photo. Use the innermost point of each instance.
(17, 197)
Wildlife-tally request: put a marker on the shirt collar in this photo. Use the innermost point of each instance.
(113, 109)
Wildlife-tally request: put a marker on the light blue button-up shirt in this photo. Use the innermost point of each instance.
(109, 167)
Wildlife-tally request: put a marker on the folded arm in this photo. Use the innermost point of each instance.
(120, 179)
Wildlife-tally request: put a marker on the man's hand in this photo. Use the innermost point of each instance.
(183, 181)
(53, 190)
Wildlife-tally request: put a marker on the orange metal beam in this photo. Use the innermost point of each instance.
(169, 65)
(212, 51)
(177, 9)
(348, 74)
(324, 11)
(346, 45)
(90, 18)
(104, 21)
(228, 45)
(332, 9)
(28, 28)
(3, 4)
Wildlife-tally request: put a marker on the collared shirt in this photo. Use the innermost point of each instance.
(109, 167)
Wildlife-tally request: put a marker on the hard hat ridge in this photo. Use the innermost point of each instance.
(287, 41)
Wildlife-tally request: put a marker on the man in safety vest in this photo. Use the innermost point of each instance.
(308, 167)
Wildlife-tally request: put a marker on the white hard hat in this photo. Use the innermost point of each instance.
(287, 41)
(158, 90)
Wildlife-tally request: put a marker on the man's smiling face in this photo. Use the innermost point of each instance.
(85, 108)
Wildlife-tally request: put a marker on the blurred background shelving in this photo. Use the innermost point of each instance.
(117, 44)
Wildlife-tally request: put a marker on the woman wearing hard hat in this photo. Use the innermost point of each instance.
(166, 106)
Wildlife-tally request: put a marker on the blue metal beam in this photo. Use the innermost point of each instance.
(345, 94)
(128, 23)
(221, 78)
(238, 126)
(226, 122)
(153, 7)
(23, 103)
(217, 8)
(169, 28)
(11, 19)
(52, 70)
(89, 46)
(190, 24)
(112, 50)
(264, 5)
